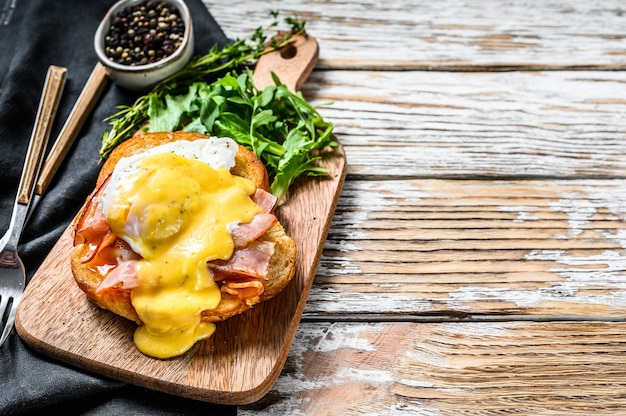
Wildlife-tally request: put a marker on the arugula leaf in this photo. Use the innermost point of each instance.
(176, 109)
(279, 126)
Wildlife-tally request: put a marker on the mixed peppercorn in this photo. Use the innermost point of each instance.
(145, 33)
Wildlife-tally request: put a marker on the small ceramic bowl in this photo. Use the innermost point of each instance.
(142, 77)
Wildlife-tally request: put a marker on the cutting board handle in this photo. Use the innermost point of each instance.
(293, 63)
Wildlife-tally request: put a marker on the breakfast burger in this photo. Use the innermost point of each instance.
(178, 234)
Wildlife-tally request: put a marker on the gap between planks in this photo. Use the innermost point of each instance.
(452, 317)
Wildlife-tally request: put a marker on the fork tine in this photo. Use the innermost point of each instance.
(4, 302)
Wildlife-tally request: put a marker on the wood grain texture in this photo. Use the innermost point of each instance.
(238, 364)
(448, 35)
(525, 368)
(424, 249)
(467, 125)
(472, 193)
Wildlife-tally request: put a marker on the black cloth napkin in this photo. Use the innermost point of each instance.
(35, 34)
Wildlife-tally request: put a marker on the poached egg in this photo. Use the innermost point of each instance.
(174, 205)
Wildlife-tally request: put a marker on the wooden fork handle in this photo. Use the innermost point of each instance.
(48, 105)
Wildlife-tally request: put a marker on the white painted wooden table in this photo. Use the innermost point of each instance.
(477, 260)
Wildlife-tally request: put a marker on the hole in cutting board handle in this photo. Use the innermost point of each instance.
(289, 51)
(292, 64)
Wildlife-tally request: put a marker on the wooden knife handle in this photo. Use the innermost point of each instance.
(48, 105)
(83, 106)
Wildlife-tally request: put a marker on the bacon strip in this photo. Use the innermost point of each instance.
(244, 234)
(124, 276)
(244, 290)
(91, 225)
(245, 263)
(265, 200)
(98, 248)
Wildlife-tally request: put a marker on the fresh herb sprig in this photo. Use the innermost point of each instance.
(283, 130)
(242, 52)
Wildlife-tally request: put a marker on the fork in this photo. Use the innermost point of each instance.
(12, 272)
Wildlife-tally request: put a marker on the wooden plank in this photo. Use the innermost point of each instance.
(463, 125)
(550, 368)
(447, 34)
(417, 237)
(426, 249)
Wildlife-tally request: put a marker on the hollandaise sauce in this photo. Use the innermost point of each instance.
(176, 212)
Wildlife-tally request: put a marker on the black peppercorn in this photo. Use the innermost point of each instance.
(143, 34)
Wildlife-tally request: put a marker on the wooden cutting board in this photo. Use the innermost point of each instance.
(237, 365)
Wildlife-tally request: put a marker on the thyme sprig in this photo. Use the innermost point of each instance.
(242, 52)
